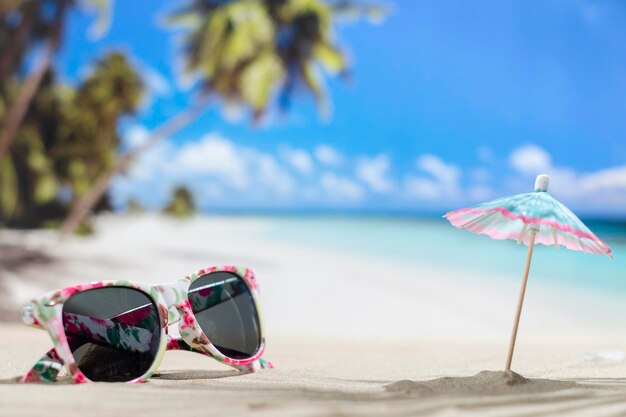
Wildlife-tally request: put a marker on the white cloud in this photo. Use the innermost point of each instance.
(480, 193)
(374, 172)
(233, 111)
(530, 160)
(603, 190)
(341, 188)
(222, 172)
(152, 161)
(327, 155)
(422, 187)
(135, 135)
(214, 155)
(299, 159)
(590, 188)
(442, 182)
(273, 176)
(605, 179)
(443, 172)
(157, 83)
(216, 167)
(213, 190)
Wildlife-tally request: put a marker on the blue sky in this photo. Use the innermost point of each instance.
(449, 103)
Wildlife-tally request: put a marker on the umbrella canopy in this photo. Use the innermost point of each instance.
(531, 218)
(512, 217)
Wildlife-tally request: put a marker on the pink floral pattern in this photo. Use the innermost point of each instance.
(45, 312)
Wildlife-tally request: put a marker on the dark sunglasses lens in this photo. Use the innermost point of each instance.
(225, 310)
(113, 332)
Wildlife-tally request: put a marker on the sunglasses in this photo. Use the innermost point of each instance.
(117, 331)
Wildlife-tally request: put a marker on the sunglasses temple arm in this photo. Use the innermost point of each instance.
(29, 319)
(175, 343)
(46, 369)
(255, 366)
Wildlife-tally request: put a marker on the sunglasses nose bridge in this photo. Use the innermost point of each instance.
(173, 294)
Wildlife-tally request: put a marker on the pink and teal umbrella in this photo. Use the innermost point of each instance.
(530, 218)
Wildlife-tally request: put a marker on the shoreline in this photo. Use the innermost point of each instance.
(357, 291)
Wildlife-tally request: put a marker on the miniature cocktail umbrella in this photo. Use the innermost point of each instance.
(530, 218)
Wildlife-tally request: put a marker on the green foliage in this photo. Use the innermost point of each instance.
(182, 204)
(9, 187)
(69, 137)
(88, 141)
(249, 51)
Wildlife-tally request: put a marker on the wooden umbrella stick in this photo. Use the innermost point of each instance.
(520, 302)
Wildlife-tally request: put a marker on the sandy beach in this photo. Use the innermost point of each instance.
(341, 328)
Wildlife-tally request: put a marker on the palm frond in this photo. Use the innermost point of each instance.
(330, 58)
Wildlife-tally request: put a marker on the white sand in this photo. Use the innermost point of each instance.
(340, 328)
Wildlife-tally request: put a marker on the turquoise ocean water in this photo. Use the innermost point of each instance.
(435, 242)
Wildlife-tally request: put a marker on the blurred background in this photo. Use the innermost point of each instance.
(342, 126)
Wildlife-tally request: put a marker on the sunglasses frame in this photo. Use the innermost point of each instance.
(173, 307)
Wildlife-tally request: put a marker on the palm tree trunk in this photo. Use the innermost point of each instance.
(9, 56)
(86, 203)
(8, 6)
(16, 113)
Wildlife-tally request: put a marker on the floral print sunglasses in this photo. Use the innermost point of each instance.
(117, 331)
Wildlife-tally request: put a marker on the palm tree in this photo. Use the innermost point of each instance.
(28, 180)
(51, 31)
(244, 52)
(8, 6)
(13, 38)
(88, 140)
(26, 175)
(14, 116)
(182, 204)
(85, 204)
(67, 140)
